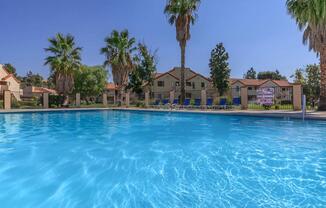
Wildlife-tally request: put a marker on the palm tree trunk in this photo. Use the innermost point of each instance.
(182, 71)
(322, 98)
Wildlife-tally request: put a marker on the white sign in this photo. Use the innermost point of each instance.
(265, 96)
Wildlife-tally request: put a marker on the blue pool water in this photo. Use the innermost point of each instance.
(129, 159)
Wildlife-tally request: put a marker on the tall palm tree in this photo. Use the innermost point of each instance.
(118, 51)
(310, 16)
(182, 13)
(64, 61)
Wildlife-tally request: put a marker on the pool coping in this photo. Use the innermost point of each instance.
(311, 115)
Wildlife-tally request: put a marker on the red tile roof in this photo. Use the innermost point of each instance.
(282, 83)
(43, 90)
(258, 82)
(10, 75)
(111, 86)
(166, 73)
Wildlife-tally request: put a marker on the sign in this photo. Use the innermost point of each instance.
(265, 96)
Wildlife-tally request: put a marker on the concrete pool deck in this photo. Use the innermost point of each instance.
(312, 115)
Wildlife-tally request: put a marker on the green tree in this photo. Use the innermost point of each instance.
(274, 75)
(144, 70)
(90, 81)
(219, 67)
(11, 69)
(311, 18)
(64, 61)
(31, 79)
(299, 77)
(50, 82)
(312, 82)
(118, 50)
(182, 13)
(250, 74)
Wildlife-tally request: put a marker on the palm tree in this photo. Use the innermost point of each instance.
(63, 61)
(310, 16)
(118, 51)
(182, 13)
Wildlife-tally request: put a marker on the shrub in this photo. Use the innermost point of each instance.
(267, 106)
(55, 100)
(286, 102)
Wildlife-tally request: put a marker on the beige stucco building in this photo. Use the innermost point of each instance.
(283, 90)
(9, 82)
(169, 81)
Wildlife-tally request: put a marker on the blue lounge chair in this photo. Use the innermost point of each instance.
(175, 102)
(222, 103)
(197, 103)
(186, 103)
(236, 101)
(209, 103)
(165, 101)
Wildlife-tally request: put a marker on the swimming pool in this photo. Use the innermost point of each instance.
(145, 159)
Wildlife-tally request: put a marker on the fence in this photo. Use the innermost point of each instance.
(195, 97)
(245, 98)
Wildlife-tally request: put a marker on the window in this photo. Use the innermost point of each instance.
(177, 84)
(249, 88)
(238, 89)
(203, 85)
(283, 89)
(188, 84)
(188, 95)
(193, 86)
(160, 83)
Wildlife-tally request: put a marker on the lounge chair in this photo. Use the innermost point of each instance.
(209, 103)
(222, 104)
(175, 102)
(165, 101)
(236, 101)
(197, 103)
(186, 103)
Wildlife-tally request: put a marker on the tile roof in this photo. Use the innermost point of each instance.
(43, 90)
(111, 86)
(10, 75)
(258, 82)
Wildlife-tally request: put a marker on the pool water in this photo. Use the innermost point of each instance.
(143, 159)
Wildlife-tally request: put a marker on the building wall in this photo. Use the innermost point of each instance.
(28, 92)
(2, 72)
(193, 86)
(14, 87)
(169, 85)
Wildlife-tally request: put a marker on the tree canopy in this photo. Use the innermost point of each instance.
(64, 60)
(11, 69)
(90, 81)
(144, 70)
(250, 74)
(274, 75)
(181, 14)
(219, 67)
(118, 50)
(31, 79)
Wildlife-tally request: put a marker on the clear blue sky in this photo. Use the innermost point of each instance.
(256, 33)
